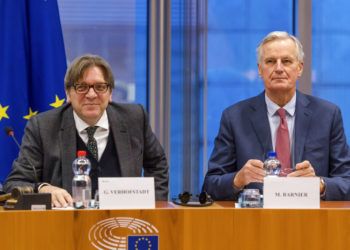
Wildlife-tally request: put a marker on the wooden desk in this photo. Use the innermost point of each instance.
(216, 227)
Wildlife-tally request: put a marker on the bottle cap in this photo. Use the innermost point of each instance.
(272, 154)
(81, 153)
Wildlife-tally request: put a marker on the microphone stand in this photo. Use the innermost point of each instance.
(23, 197)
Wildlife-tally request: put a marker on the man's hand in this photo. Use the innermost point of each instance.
(252, 171)
(60, 197)
(305, 169)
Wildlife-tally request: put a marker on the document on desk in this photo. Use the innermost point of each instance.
(63, 208)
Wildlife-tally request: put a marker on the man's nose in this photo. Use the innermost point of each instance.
(91, 93)
(279, 66)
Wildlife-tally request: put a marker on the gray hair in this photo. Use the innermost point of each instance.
(280, 35)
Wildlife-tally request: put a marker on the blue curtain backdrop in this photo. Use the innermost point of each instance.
(32, 67)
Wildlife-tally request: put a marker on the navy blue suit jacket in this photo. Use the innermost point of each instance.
(245, 134)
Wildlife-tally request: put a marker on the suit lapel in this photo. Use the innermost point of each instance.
(302, 122)
(260, 123)
(122, 141)
(68, 146)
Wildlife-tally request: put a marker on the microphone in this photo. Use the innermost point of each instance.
(26, 197)
(10, 132)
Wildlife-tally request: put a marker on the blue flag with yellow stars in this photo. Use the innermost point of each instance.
(143, 242)
(32, 68)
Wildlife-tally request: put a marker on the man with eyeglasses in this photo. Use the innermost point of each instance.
(117, 137)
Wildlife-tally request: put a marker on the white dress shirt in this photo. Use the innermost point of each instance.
(274, 118)
(101, 134)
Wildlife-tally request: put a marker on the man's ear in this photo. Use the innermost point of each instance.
(301, 68)
(67, 97)
(259, 70)
(110, 97)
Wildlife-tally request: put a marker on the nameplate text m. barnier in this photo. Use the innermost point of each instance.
(291, 192)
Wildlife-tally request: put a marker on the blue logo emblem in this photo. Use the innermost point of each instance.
(139, 234)
(143, 242)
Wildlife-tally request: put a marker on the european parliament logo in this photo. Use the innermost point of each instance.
(110, 234)
(143, 242)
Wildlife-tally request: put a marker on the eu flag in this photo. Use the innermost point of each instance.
(32, 67)
(143, 242)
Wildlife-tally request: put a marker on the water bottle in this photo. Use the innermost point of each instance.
(272, 165)
(81, 184)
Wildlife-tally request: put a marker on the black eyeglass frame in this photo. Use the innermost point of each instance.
(88, 87)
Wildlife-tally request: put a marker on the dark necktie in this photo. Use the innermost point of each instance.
(283, 144)
(92, 144)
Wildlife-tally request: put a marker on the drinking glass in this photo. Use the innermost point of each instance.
(251, 198)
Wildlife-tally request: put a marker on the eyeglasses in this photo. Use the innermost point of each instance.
(83, 88)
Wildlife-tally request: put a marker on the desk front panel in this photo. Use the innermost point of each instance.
(217, 227)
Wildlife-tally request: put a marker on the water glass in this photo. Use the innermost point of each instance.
(250, 198)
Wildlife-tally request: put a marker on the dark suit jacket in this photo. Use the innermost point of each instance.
(49, 143)
(245, 134)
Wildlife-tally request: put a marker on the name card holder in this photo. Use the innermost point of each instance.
(292, 192)
(126, 193)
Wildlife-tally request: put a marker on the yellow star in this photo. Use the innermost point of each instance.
(3, 112)
(31, 113)
(57, 103)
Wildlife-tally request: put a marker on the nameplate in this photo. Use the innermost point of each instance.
(291, 192)
(126, 193)
(38, 207)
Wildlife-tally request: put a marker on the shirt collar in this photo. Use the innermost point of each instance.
(273, 107)
(81, 125)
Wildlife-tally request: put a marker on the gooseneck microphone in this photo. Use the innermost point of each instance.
(26, 197)
(10, 132)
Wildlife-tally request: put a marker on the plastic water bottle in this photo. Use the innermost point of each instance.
(272, 165)
(81, 184)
